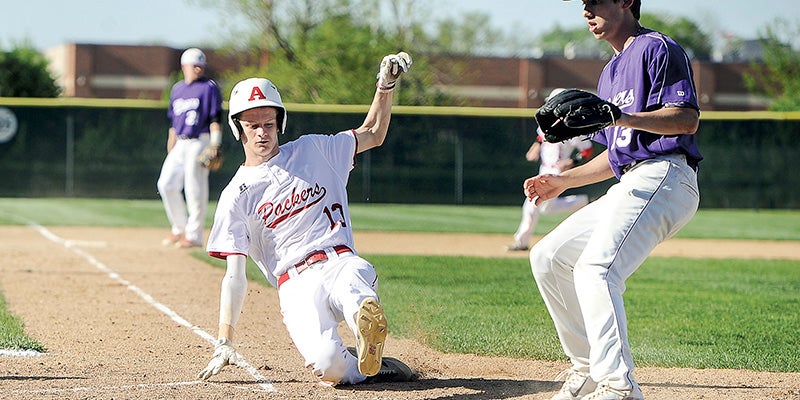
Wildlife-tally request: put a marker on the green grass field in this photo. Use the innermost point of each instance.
(707, 224)
(740, 314)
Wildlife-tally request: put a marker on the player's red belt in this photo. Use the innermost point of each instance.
(310, 259)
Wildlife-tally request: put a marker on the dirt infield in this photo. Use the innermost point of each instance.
(124, 318)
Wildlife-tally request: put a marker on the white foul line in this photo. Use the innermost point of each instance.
(20, 353)
(262, 381)
(114, 388)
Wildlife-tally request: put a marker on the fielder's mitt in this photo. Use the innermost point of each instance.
(574, 112)
(211, 158)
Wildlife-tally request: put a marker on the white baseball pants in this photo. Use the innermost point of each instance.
(581, 266)
(182, 174)
(531, 212)
(315, 301)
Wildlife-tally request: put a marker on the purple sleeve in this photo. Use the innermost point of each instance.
(215, 103)
(670, 74)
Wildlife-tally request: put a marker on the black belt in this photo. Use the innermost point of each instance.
(690, 162)
(312, 258)
(626, 168)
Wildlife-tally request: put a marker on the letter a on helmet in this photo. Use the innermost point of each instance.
(257, 94)
(254, 93)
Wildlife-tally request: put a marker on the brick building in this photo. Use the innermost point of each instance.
(146, 72)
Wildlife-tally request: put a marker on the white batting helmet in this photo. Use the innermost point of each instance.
(254, 93)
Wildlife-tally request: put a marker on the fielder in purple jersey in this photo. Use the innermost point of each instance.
(582, 265)
(194, 106)
(195, 109)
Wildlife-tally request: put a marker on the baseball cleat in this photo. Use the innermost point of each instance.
(171, 240)
(371, 322)
(576, 385)
(392, 370)
(517, 247)
(187, 244)
(605, 392)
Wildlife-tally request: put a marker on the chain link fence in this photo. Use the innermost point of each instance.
(431, 156)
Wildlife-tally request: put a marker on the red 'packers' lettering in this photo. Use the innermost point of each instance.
(273, 213)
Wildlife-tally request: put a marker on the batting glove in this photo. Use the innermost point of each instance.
(391, 67)
(224, 354)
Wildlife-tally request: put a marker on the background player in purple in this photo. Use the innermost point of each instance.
(582, 265)
(286, 208)
(195, 109)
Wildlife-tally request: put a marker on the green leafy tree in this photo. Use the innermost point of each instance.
(23, 73)
(471, 34)
(778, 74)
(322, 51)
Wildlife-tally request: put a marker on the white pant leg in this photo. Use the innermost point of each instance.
(530, 216)
(652, 202)
(181, 175)
(170, 187)
(195, 189)
(552, 260)
(649, 205)
(314, 303)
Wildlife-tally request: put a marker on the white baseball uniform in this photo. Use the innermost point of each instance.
(550, 157)
(286, 210)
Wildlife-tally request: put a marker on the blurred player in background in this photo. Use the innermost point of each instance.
(195, 109)
(287, 209)
(553, 158)
(581, 266)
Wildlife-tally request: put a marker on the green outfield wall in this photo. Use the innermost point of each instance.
(443, 155)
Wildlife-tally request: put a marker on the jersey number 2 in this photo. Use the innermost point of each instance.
(335, 208)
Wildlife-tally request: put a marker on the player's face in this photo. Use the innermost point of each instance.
(260, 134)
(192, 73)
(604, 17)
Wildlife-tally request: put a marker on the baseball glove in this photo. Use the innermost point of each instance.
(211, 158)
(574, 112)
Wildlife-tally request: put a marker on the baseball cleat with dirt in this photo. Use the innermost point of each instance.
(576, 385)
(371, 322)
(516, 247)
(392, 370)
(605, 392)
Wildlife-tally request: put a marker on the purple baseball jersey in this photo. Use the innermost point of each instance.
(194, 106)
(653, 72)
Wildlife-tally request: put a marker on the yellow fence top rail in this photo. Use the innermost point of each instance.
(400, 110)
